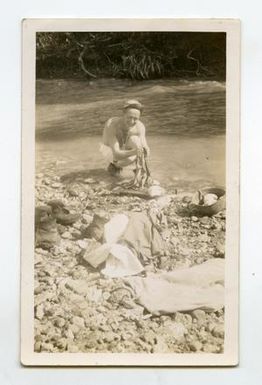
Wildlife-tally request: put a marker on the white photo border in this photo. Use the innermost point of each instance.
(230, 355)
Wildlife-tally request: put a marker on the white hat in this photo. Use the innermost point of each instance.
(133, 104)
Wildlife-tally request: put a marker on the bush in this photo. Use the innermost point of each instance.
(135, 55)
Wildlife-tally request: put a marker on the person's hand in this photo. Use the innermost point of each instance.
(139, 151)
(147, 151)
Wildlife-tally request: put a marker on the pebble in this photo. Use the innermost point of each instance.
(194, 219)
(195, 346)
(211, 326)
(126, 336)
(90, 181)
(38, 290)
(37, 347)
(109, 337)
(161, 345)
(87, 219)
(59, 322)
(39, 312)
(56, 185)
(200, 315)
(66, 235)
(149, 337)
(210, 348)
(219, 331)
(177, 330)
(184, 318)
(72, 348)
(82, 244)
(78, 321)
(47, 347)
(61, 344)
(204, 220)
(106, 295)
(74, 329)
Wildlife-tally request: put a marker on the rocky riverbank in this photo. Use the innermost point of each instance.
(77, 309)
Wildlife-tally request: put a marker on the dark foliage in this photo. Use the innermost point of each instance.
(135, 55)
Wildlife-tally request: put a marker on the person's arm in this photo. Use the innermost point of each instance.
(118, 153)
(143, 138)
(110, 140)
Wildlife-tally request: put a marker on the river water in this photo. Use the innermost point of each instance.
(185, 124)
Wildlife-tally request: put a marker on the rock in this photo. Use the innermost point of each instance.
(125, 336)
(203, 238)
(71, 348)
(43, 297)
(92, 340)
(72, 192)
(161, 346)
(187, 199)
(39, 312)
(219, 331)
(106, 295)
(66, 235)
(110, 336)
(176, 330)
(220, 249)
(133, 314)
(149, 337)
(199, 260)
(49, 310)
(61, 229)
(78, 321)
(150, 268)
(82, 244)
(46, 181)
(90, 181)
(41, 251)
(104, 328)
(59, 322)
(145, 347)
(37, 347)
(77, 225)
(195, 346)
(209, 348)
(164, 263)
(186, 319)
(199, 315)
(61, 344)
(203, 336)
(47, 347)
(76, 233)
(194, 219)
(78, 302)
(38, 290)
(87, 219)
(204, 220)
(210, 327)
(69, 334)
(56, 185)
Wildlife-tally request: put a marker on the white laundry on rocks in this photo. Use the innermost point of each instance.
(120, 260)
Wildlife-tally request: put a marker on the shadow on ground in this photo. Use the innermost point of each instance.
(99, 174)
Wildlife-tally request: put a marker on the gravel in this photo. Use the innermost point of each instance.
(75, 310)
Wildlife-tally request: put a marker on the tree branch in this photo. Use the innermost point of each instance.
(82, 64)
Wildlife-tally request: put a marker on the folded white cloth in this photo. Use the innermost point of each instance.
(120, 260)
(198, 287)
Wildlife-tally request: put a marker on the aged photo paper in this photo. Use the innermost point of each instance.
(130, 192)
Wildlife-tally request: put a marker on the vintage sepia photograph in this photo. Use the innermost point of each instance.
(130, 192)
